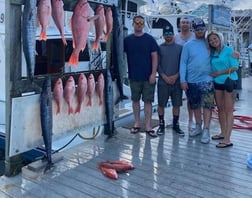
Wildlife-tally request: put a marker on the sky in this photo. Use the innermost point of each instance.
(190, 4)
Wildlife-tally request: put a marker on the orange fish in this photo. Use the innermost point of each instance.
(109, 23)
(58, 17)
(81, 91)
(119, 166)
(99, 25)
(91, 89)
(44, 14)
(58, 94)
(80, 26)
(69, 92)
(100, 88)
(111, 173)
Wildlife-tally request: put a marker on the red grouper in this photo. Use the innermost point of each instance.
(58, 17)
(91, 89)
(58, 94)
(46, 118)
(80, 26)
(69, 93)
(29, 36)
(109, 23)
(99, 25)
(44, 15)
(81, 91)
(100, 88)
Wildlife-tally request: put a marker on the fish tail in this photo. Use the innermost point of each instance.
(105, 38)
(70, 110)
(95, 46)
(58, 110)
(78, 108)
(64, 40)
(100, 102)
(73, 60)
(43, 36)
(89, 103)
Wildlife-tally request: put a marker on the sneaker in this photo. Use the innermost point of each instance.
(196, 131)
(205, 139)
(191, 125)
(161, 129)
(178, 130)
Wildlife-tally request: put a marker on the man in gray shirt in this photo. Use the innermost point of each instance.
(168, 81)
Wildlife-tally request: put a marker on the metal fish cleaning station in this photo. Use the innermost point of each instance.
(167, 166)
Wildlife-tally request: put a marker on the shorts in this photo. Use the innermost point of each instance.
(174, 91)
(222, 86)
(142, 88)
(201, 95)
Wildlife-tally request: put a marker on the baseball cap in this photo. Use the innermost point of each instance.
(168, 30)
(198, 24)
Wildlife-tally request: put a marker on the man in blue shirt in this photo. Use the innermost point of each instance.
(195, 70)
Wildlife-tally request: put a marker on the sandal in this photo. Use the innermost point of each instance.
(134, 129)
(152, 133)
(224, 145)
(217, 137)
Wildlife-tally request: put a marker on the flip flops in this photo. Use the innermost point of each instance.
(134, 129)
(152, 133)
(217, 137)
(224, 145)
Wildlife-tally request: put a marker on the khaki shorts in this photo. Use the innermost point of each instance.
(142, 89)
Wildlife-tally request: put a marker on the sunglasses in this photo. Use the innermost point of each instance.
(200, 29)
(139, 22)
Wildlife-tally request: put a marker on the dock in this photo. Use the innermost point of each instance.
(166, 166)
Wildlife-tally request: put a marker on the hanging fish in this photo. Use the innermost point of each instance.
(46, 118)
(58, 17)
(29, 36)
(80, 26)
(99, 25)
(44, 15)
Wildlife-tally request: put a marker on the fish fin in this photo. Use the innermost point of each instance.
(70, 110)
(95, 46)
(105, 38)
(64, 41)
(78, 108)
(58, 110)
(43, 36)
(73, 60)
(89, 103)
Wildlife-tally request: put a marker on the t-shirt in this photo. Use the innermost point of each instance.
(224, 60)
(138, 50)
(169, 58)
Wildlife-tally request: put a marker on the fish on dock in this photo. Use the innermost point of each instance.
(47, 119)
(29, 36)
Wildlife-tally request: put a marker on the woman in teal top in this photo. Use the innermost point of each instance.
(223, 63)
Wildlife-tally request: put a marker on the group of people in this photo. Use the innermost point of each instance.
(189, 61)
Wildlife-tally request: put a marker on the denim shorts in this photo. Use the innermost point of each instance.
(142, 89)
(201, 95)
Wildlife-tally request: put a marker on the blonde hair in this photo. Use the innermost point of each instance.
(220, 36)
